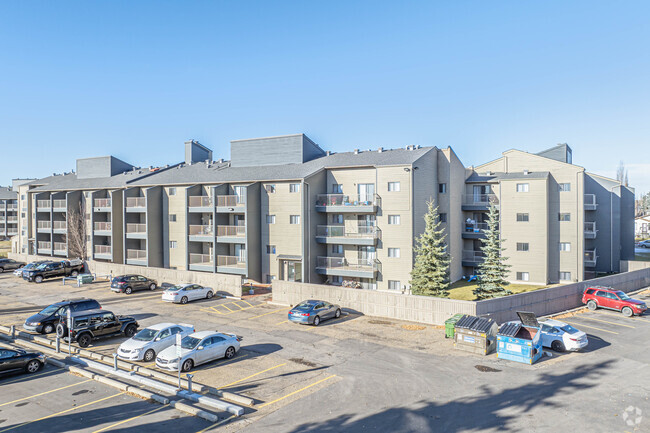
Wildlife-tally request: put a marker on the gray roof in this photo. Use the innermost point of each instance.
(67, 182)
(496, 177)
(7, 194)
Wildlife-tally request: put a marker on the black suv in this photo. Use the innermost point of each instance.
(9, 264)
(130, 283)
(46, 320)
(92, 324)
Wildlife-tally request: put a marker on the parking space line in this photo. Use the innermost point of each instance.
(242, 308)
(284, 321)
(266, 314)
(224, 361)
(217, 424)
(296, 392)
(43, 393)
(62, 412)
(30, 376)
(592, 327)
(605, 321)
(214, 309)
(618, 315)
(132, 418)
(252, 375)
(243, 300)
(226, 307)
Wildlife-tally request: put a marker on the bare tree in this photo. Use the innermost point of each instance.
(621, 174)
(77, 231)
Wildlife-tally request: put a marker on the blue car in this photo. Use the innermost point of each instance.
(313, 312)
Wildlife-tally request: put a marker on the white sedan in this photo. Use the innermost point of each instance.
(19, 272)
(199, 348)
(560, 336)
(184, 293)
(144, 345)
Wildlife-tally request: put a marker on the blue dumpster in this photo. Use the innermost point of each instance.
(520, 342)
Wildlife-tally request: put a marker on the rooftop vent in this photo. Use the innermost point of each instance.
(328, 153)
(488, 173)
(380, 150)
(356, 151)
(220, 161)
(526, 172)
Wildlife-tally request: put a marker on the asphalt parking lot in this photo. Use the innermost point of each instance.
(362, 373)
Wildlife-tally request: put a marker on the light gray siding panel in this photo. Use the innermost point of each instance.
(253, 232)
(292, 149)
(154, 227)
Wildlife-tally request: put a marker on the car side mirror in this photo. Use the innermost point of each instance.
(200, 348)
(157, 339)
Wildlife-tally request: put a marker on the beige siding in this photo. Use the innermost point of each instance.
(177, 231)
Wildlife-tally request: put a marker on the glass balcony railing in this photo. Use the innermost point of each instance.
(231, 231)
(200, 230)
(590, 258)
(136, 228)
(103, 249)
(200, 201)
(105, 226)
(201, 259)
(43, 204)
(473, 256)
(480, 199)
(43, 225)
(42, 245)
(102, 202)
(590, 202)
(136, 254)
(346, 231)
(59, 225)
(231, 200)
(348, 200)
(59, 204)
(231, 261)
(60, 246)
(369, 265)
(12, 219)
(136, 202)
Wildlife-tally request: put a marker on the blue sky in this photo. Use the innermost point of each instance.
(136, 79)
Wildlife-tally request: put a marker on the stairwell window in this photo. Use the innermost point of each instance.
(522, 187)
(394, 285)
(337, 249)
(394, 219)
(564, 217)
(172, 218)
(522, 217)
(565, 276)
(442, 188)
(294, 219)
(565, 246)
(172, 191)
(393, 187)
(564, 187)
(294, 187)
(270, 249)
(270, 189)
(522, 246)
(393, 253)
(172, 244)
(442, 217)
(522, 276)
(270, 219)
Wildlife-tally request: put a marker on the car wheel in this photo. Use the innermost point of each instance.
(592, 305)
(84, 340)
(152, 286)
(38, 279)
(230, 352)
(184, 300)
(187, 365)
(48, 329)
(2, 270)
(128, 290)
(627, 312)
(316, 320)
(33, 366)
(558, 346)
(60, 330)
(209, 295)
(74, 274)
(130, 331)
(149, 355)
(338, 313)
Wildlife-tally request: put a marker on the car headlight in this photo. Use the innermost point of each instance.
(136, 351)
(34, 323)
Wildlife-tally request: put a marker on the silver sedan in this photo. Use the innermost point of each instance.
(182, 294)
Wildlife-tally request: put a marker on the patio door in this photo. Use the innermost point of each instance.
(366, 192)
(294, 271)
(240, 192)
(366, 255)
(240, 252)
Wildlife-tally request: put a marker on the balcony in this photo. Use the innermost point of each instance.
(103, 228)
(231, 265)
(590, 258)
(231, 234)
(12, 232)
(201, 233)
(136, 257)
(44, 247)
(60, 248)
(342, 203)
(590, 230)
(472, 258)
(231, 203)
(200, 203)
(103, 252)
(43, 206)
(474, 230)
(201, 262)
(59, 205)
(12, 206)
(590, 202)
(12, 219)
(340, 266)
(136, 231)
(136, 204)
(43, 227)
(102, 205)
(478, 201)
(60, 226)
(348, 235)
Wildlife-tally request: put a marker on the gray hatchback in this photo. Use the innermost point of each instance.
(313, 312)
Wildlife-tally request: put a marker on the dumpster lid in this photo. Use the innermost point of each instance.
(510, 329)
(528, 319)
(482, 325)
(466, 322)
(455, 318)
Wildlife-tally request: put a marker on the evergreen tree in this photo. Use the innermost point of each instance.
(430, 275)
(493, 270)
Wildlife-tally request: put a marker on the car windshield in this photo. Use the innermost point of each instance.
(190, 342)
(303, 306)
(145, 335)
(48, 311)
(622, 295)
(570, 329)
(29, 266)
(41, 266)
(173, 288)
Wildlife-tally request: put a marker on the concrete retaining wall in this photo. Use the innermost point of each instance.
(223, 284)
(423, 309)
(631, 265)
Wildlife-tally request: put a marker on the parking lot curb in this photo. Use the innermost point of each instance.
(194, 411)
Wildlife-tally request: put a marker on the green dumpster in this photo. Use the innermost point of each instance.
(450, 325)
(84, 278)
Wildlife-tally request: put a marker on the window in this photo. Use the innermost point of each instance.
(442, 217)
(294, 187)
(522, 217)
(564, 187)
(22, 197)
(564, 217)
(172, 191)
(337, 188)
(172, 244)
(393, 219)
(270, 189)
(394, 285)
(442, 188)
(522, 246)
(22, 214)
(336, 280)
(270, 219)
(393, 252)
(522, 187)
(172, 218)
(87, 238)
(270, 249)
(86, 194)
(336, 219)
(294, 219)
(565, 276)
(393, 186)
(337, 249)
(522, 276)
(565, 246)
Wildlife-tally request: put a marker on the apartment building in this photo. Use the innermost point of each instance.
(8, 212)
(283, 208)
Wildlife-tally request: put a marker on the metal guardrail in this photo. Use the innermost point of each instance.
(102, 202)
(233, 231)
(203, 259)
(43, 224)
(136, 254)
(343, 263)
(103, 249)
(42, 245)
(480, 199)
(348, 200)
(136, 202)
(136, 228)
(59, 204)
(200, 201)
(59, 225)
(231, 261)
(60, 246)
(473, 256)
(359, 231)
(43, 204)
(103, 225)
(200, 230)
(231, 200)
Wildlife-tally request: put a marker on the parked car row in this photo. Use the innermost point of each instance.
(41, 270)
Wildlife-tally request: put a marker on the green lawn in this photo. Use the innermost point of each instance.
(463, 290)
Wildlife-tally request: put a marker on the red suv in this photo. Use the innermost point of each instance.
(606, 297)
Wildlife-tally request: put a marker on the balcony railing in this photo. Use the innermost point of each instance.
(343, 231)
(231, 261)
(348, 200)
(473, 256)
(60, 246)
(59, 204)
(102, 202)
(200, 201)
(590, 202)
(479, 199)
(136, 228)
(42, 245)
(12, 232)
(43, 204)
(136, 254)
(475, 227)
(136, 202)
(59, 225)
(43, 225)
(231, 201)
(103, 249)
(590, 229)
(200, 230)
(231, 231)
(105, 226)
(590, 258)
(365, 265)
(201, 259)
(12, 219)
(12, 207)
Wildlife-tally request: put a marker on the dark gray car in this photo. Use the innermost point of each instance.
(10, 265)
(312, 312)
